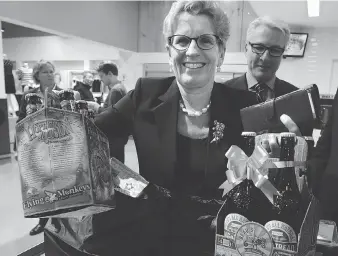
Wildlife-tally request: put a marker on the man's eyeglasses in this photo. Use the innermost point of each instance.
(260, 50)
(204, 42)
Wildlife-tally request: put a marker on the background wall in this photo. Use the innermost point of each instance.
(143, 32)
(152, 14)
(319, 64)
(110, 22)
(57, 48)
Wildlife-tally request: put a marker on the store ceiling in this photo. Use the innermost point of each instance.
(13, 31)
(296, 13)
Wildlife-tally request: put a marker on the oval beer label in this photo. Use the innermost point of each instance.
(253, 239)
(283, 235)
(232, 223)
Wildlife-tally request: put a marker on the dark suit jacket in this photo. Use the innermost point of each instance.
(324, 167)
(281, 87)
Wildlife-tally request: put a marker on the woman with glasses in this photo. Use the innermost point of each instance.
(182, 126)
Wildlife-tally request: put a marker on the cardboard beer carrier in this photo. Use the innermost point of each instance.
(64, 165)
(238, 236)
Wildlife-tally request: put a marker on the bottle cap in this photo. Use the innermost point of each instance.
(253, 134)
(287, 134)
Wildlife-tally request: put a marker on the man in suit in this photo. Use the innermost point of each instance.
(265, 44)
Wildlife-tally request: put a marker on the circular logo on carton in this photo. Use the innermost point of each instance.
(232, 223)
(253, 239)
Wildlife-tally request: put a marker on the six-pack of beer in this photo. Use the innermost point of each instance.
(63, 158)
(268, 206)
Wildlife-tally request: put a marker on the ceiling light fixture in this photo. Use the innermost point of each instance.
(313, 8)
(2, 30)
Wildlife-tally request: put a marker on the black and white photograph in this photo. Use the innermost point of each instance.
(169, 128)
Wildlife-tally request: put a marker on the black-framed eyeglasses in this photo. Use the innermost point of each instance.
(260, 50)
(204, 42)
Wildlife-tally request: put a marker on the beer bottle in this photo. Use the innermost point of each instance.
(248, 148)
(67, 100)
(34, 103)
(287, 218)
(246, 199)
(248, 142)
(306, 176)
(244, 203)
(240, 199)
(288, 203)
(310, 145)
(91, 115)
(81, 106)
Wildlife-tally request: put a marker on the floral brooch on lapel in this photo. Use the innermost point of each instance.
(218, 131)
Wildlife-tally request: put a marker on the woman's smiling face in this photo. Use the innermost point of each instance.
(194, 67)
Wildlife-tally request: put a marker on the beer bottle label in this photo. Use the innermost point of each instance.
(225, 245)
(253, 239)
(284, 237)
(232, 223)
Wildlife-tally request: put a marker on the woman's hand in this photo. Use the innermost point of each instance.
(93, 106)
(77, 95)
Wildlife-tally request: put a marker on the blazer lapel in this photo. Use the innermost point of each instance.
(166, 120)
(221, 111)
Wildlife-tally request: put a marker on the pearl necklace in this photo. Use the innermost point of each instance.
(194, 112)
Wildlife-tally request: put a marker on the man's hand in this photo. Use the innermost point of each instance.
(290, 124)
(272, 144)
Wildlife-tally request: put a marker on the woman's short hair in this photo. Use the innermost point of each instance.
(37, 68)
(209, 8)
(270, 23)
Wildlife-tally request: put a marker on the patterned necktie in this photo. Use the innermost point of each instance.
(261, 90)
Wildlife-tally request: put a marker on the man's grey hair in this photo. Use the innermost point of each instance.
(270, 23)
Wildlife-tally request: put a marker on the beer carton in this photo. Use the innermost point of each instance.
(64, 165)
(237, 235)
(251, 238)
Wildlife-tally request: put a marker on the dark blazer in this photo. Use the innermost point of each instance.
(281, 87)
(149, 113)
(324, 166)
